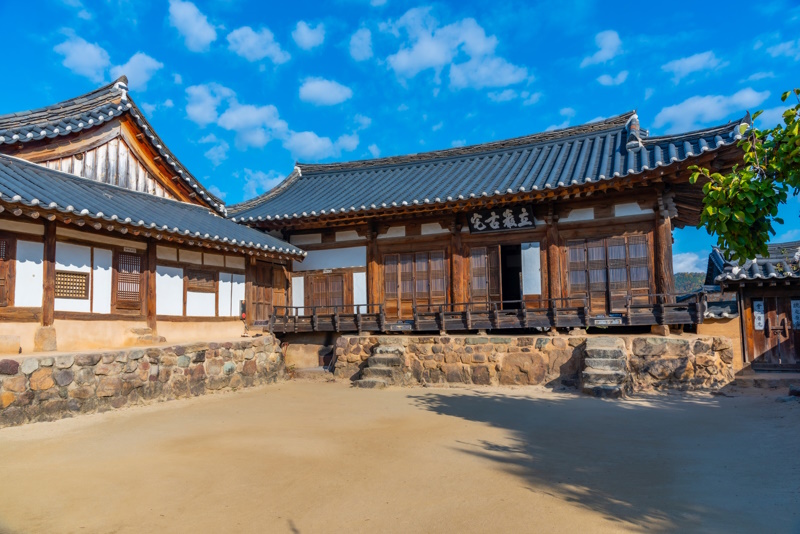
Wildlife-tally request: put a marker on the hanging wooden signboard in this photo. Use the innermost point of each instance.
(501, 219)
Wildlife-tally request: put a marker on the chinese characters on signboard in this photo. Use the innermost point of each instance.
(796, 314)
(501, 219)
(758, 315)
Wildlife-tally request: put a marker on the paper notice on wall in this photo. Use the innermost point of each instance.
(796, 314)
(758, 315)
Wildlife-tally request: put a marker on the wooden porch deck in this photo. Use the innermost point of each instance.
(505, 315)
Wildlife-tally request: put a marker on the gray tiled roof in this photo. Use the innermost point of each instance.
(593, 152)
(781, 263)
(88, 111)
(28, 184)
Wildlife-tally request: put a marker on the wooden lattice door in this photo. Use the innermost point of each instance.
(485, 281)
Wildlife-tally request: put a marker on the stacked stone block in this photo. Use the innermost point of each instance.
(52, 387)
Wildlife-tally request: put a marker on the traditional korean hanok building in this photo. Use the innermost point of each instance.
(768, 291)
(107, 240)
(568, 228)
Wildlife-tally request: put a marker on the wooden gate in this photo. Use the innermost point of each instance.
(775, 339)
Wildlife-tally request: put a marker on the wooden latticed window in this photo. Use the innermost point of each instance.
(418, 279)
(72, 285)
(128, 291)
(609, 270)
(327, 293)
(485, 278)
(6, 271)
(201, 281)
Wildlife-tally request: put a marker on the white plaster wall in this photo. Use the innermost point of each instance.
(74, 258)
(190, 256)
(580, 214)
(237, 293)
(298, 293)
(360, 291)
(348, 235)
(235, 262)
(629, 209)
(432, 228)
(169, 290)
(217, 260)
(394, 231)
(200, 304)
(166, 253)
(224, 294)
(94, 238)
(305, 239)
(101, 281)
(23, 227)
(30, 274)
(337, 258)
(531, 269)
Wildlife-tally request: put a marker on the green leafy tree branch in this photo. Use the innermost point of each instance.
(740, 207)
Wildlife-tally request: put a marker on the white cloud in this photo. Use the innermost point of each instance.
(771, 117)
(756, 76)
(609, 46)
(217, 153)
(148, 108)
(168, 103)
(308, 37)
(84, 58)
(85, 15)
(177, 78)
(532, 99)
(458, 143)
(567, 113)
(197, 32)
(698, 110)
(362, 122)
(607, 79)
(503, 96)
(203, 101)
(376, 3)
(255, 126)
(139, 69)
(436, 127)
(689, 262)
(402, 107)
(374, 150)
(257, 182)
(789, 49)
(789, 235)
(322, 92)
(217, 192)
(255, 46)
(310, 146)
(680, 68)
(361, 45)
(430, 46)
(648, 93)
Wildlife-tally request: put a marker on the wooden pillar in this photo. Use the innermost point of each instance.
(49, 290)
(373, 269)
(458, 266)
(249, 288)
(150, 287)
(665, 280)
(553, 256)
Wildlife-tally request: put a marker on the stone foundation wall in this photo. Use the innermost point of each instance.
(44, 388)
(682, 362)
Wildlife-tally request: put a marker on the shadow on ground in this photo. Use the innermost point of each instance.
(674, 464)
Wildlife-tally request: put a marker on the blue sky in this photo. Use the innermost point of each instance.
(240, 90)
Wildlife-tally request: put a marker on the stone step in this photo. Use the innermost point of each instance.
(389, 349)
(378, 360)
(380, 371)
(370, 383)
(605, 347)
(608, 392)
(767, 380)
(605, 364)
(593, 377)
(319, 374)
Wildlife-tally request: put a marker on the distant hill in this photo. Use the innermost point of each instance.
(689, 282)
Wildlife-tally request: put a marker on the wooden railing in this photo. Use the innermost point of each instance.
(516, 314)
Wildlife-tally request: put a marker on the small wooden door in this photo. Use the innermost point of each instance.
(485, 281)
(262, 291)
(775, 338)
(327, 293)
(7, 264)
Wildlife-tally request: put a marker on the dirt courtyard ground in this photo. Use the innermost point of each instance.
(322, 457)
